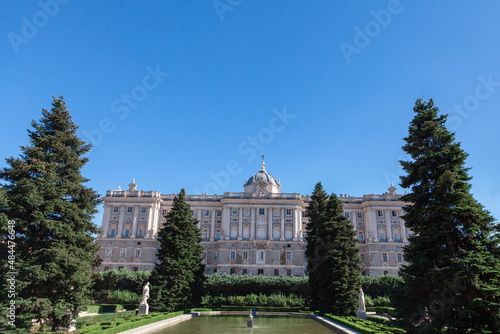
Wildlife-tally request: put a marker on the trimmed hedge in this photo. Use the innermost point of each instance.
(364, 326)
(382, 309)
(126, 324)
(92, 319)
(274, 300)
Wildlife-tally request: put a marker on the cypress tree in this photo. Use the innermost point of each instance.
(333, 260)
(452, 279)
(53, 211)
(178, 277)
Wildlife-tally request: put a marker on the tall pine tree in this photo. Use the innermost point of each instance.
(333, 260)
(53, 212)
(178, 277)
(452, 280)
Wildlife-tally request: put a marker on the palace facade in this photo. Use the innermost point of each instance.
(259, 231)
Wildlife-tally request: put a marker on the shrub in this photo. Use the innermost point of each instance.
(382, 301)
(124, 297)
(382, 286)
(364, 326)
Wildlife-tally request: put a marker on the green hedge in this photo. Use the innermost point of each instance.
(126, 324)
(92, 319)
(382, 309)
(101, 308)
(274, 300)
(364, 326)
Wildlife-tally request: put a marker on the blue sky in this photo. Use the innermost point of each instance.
(191, 93)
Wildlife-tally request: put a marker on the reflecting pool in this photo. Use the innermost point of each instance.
(238, 324)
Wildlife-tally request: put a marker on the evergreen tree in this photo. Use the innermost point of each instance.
(53, 211)
(178, 277)
(452, 280)
(333, 260)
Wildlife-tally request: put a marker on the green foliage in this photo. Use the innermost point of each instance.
(93, 319)
(382, 309)
(178, 277)
(452, 281)
(125, 297)
(364, 326)
(333, 260)
(275, 300)
(229, 285)
(55, 246)
(122, 279)
(382, 286)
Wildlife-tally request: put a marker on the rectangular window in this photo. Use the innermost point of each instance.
(380, 213)
(135, 269)
(245, 255)
(346, 214)
(400, 257)
(260, 271)
(363, 258)
(129, 209)
(163, 212)
(394, 213)
(219, 213)
(115, 209)
(206, 213)
(360, 215)
(122, 252)
(233, 255)
(217, 235)
(204, 255)
(304, 236)
(289, 272)
(276, 256)
(143, 209)
(231, 271)
(205, 234)
(137, 253)
(386, 272)
(261, 211)
(360, 236)
(261, 255)
(126, 233)
(235, 211)
(384, 257)
(108, 252)
(216, 255)
(245, 271)
(288, 212)
(276, 272)
(112, 232)
(289, 256)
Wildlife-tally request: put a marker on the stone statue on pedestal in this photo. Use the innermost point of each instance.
(362, 306)
(143, 305)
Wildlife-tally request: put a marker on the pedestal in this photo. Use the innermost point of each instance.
(362, 314)
(250, 322)
(143, 309)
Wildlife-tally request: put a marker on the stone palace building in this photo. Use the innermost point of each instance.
(260, 231)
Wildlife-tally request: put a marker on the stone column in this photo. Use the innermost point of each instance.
(226, 224)
(121, 221)
(269, 224)
(403, 227)
(199, 218)
(240, 224)
(156, 219)
(149, 223)
(354, 221)
(212, 226)
(282, 234)
(252, 223)
(388, 226)
(371, 225)
(295, 233)
(105, 220)
(134, 222)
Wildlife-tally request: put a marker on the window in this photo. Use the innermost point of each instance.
(219, 222)
(360, 215)
(346, 214)
(384, 257)
(261, 211)
(289, 272)
(231, 271)
(126, 233)
(217, 235)
(122, 252)
(245, 255)
(276, 272)
(215, 270)
(143, 209)
(219, 213)
(108, 252)
(110, 243)
(304, 236)
(106, 267)
(386, 272)
(216, 255)
(245, 271)
(233, 255)
(260, 271)
(361, 236)
(289, 256)
(163, 212)
(400, 257)
(394, 213)
(112, 232)
(363, 258)
(115, 209)
(288, 212)
(235, 211)
(276, 256)
(205, 234)
(260, 256)
(304, 214)
(129, 209)
(137, 253)
(206, 213)
(124, 243)
(204, 255)
(380, 213)
(135, 269)
(396, 236)
(140, 232)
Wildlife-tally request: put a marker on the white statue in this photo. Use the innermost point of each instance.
(145, 294)
(361, 297)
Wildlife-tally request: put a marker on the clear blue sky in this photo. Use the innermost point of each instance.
(170, 92)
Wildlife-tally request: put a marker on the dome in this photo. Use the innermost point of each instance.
(262, 175)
